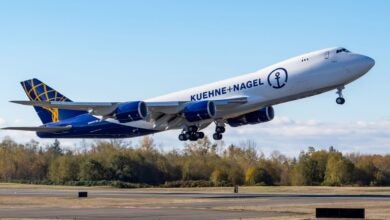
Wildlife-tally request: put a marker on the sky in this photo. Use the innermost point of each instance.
(133, 50)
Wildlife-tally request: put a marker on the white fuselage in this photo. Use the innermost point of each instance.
(298, 77)
(239, 101)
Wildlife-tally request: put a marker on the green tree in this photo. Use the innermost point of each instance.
(196, 168)
(219, 177)
(55, 149)
(338, 170)
(310, 167)
(258, 176)
(92, 170)
(64, 168)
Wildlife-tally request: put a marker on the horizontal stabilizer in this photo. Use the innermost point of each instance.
(40, 129)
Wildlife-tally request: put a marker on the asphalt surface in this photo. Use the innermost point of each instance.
(210, 195)
(210, 205)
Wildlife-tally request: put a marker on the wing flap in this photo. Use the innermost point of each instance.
(165, 107)
(226, 104)
(232, 101)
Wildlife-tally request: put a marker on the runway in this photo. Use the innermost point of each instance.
(125, 194)
(131, 204)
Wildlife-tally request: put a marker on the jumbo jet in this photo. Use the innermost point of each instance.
(239, 101)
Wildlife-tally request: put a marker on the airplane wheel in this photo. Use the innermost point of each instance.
(193, 136)
(200, 135)
(182, 137)
(217, 136)
(220, 129)
(340, 100)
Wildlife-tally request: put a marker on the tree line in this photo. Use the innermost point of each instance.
(200, 163)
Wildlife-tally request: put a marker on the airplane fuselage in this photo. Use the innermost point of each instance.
(295, 78)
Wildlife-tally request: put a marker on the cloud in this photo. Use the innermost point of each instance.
(290, 136)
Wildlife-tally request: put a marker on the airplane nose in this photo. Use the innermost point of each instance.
(361, 64)
(369, 62)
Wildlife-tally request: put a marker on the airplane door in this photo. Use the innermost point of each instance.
(327, 55)
(330, 55)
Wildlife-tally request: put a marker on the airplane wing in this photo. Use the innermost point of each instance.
(161, 113)
(106, 108)
(39, 129)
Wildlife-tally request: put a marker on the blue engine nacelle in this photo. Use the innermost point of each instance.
(198, 111)
(259, 116)
(130, 111)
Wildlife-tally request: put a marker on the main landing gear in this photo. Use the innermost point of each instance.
(191, 134)
(340, 100)
(219, 130)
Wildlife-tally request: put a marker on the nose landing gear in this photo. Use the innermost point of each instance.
(340, 100)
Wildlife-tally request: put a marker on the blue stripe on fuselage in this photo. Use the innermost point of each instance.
(88, 126)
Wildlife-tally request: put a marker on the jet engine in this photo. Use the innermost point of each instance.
(198, 111)
(130, 111)
(262, 115)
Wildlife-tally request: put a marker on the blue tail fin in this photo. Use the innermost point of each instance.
(39, 91)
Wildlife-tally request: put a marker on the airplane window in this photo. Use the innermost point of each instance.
(342, 50)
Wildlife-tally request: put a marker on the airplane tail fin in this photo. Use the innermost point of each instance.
(39, 91)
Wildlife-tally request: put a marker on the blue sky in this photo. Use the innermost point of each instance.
(132, 50)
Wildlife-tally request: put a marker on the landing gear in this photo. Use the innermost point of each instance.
(219, 130)
(183, 137)
(217, 136)
(200, 135)
(191, 134)
(340, 100)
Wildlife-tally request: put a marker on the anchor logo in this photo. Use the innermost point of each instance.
(278, 78)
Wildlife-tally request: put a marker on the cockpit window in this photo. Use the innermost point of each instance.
(342, 50)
